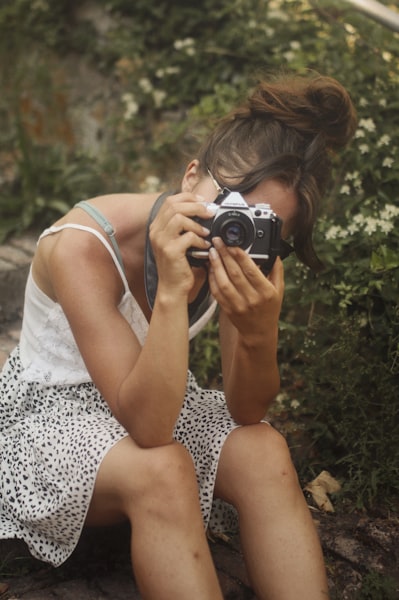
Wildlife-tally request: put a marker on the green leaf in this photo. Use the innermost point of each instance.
(384, 259)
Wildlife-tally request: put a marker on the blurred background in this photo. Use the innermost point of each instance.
(114, 96)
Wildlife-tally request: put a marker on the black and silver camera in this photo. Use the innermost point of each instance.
(253, 227)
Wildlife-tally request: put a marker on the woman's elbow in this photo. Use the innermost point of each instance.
(250, 412)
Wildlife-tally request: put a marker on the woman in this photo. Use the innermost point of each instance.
(99, 422)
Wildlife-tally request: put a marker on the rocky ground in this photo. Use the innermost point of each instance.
(362, 556)
(362, 551)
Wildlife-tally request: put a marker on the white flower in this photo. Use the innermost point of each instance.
(335, 232)
(359, 218)
(159, 96)
(289, 55)
(387, 162)
(281, 398)
(371, 225)
(345, 189)
(383, 102)
(352, 176)
(360, 133)
(183, 44)
(151, 184)
(363, 102)
(367, 124)
(145, 85)
(355, 179)
(294, 404)
(167, 71)
(357, 184)
(349, 28)
(387, 56)
(385, 226)
(343, 233)
(295, 45)
(131, 106)
(384, 140)
(364, 148)
(352, 228)
(389, 211)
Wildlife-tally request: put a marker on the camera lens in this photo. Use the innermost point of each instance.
(235, 228)
(233, 234)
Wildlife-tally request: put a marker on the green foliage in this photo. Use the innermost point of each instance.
(47, 187)
(376, 586)
(346, 348)
(350, 407)
(48, 22)
(205, 357)
(175, 67)
(15, 566)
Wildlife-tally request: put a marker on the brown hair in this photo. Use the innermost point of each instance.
(285, 130)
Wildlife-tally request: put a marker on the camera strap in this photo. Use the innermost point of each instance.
(202, 302)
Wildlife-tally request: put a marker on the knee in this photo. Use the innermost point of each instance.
(169, 470)
(257, 457)
(166, 485)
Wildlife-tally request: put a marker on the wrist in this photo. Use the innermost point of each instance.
(256, 341)
(169, 296)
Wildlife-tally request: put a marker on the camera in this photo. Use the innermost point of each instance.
(253, 227)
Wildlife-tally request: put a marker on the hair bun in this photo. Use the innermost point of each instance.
(312, 105)
(334, 110)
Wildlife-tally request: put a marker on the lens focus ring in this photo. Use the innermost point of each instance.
(235, 228)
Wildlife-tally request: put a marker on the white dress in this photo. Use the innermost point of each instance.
(55, 428)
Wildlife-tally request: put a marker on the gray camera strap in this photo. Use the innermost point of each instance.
(203, 301)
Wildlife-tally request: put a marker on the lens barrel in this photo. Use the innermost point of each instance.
(235, 228)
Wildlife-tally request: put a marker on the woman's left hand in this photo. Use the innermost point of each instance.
(250, 300)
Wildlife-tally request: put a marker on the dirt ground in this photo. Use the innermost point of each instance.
(362, 557)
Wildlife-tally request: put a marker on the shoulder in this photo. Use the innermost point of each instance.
(72, 251)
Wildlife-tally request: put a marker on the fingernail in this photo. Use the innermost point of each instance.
(213, 253)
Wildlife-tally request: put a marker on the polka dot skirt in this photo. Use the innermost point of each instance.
(52, 442)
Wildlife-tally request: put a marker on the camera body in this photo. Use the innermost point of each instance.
(254, 228)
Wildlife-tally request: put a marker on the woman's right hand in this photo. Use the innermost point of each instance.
(172, 232)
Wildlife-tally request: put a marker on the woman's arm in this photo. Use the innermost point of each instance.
(144, 386)
(251, 305)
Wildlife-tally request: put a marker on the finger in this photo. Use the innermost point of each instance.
(240, 267)
(191, 205)
(174, 224)
(178, 245)
(222, 287)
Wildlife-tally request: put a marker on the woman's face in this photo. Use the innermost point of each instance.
(282, 199)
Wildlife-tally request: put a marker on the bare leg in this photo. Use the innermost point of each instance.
(156, 490)
(279, 540)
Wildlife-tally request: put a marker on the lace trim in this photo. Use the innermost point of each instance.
(56, 346)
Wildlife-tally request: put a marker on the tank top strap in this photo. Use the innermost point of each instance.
(108, 228)
(56, 229)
